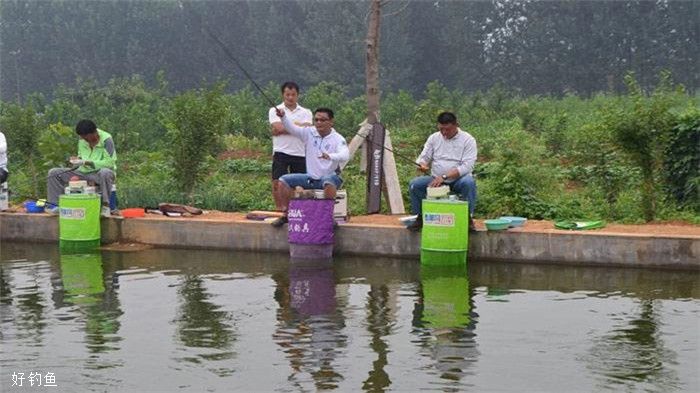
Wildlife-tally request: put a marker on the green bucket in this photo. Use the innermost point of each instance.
(79, 222)
(444, 238)
(445, 296)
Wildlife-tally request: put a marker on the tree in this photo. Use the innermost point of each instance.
(372, 61)
(641, 133)
(195, 124)
(22, 127)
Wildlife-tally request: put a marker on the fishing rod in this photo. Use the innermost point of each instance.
(228, 53)
(272, 103)
(44, 201)
(72, 168)
(233, 58)
(412, 161)
(40, 202)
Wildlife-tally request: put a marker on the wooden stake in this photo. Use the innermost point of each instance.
(392, 186)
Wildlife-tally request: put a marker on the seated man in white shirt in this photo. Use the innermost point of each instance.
(451, 154)
(325, 151)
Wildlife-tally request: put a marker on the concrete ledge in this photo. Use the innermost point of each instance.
(354, 239)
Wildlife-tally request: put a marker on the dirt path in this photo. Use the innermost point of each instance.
(674, 228)
(670, 228)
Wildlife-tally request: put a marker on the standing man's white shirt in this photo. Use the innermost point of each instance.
(3, 151)
(444, 154)
(288, 143)
(332, 144)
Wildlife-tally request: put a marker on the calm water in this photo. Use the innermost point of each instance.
(164, 320)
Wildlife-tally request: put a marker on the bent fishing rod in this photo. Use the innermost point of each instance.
(238, 64)
(223, 46)
(272, 103)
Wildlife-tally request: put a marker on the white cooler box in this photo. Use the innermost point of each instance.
(4, 197)
(340, 209)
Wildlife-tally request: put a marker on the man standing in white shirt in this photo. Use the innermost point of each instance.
(3, 158)
(287, 149)
(326, 150)
(451, 154)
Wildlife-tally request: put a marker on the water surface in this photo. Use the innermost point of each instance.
(177, 320)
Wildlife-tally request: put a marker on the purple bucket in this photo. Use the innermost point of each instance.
(311, 228)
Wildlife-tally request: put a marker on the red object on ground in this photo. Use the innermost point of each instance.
(133, 212)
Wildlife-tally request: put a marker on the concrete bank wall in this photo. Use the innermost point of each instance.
(589, 248)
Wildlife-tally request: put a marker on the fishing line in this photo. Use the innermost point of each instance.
(272, 103)
(198, 20)
(231, 57)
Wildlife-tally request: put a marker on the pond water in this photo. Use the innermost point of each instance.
(180, 320)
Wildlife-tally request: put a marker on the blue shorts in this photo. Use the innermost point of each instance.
(305, 181)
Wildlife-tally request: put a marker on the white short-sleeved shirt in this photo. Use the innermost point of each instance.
(445, 154)
(3, 151)
(332, 144)
(287, 143)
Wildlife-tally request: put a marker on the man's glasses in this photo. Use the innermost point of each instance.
(320, 119)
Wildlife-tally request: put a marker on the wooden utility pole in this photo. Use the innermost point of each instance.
(381, 167)
(375, 139)
(372, 61)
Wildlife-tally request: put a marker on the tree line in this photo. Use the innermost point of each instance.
(545, 47)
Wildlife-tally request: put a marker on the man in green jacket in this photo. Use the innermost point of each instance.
(96, 163)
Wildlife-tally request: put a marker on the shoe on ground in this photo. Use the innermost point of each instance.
(53, 210)
(279, 221)
(417, 225)
(105, 212)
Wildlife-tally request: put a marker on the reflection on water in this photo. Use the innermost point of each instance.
(445, 321)
(84, 287)
(380, 320)
(633, 353)
(25, 300)
(163, 320)
(201, 323)
(310, 328)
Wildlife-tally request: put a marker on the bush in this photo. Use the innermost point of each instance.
(518, 180)
(22, 126)
(397, 110)
(124, 107)
(248, 115)
(541, 157)
(639, 130)
(682, 160)
(195, 126)
(245, 165)
(56, 145)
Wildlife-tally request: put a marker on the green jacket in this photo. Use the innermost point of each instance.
(99, 155)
